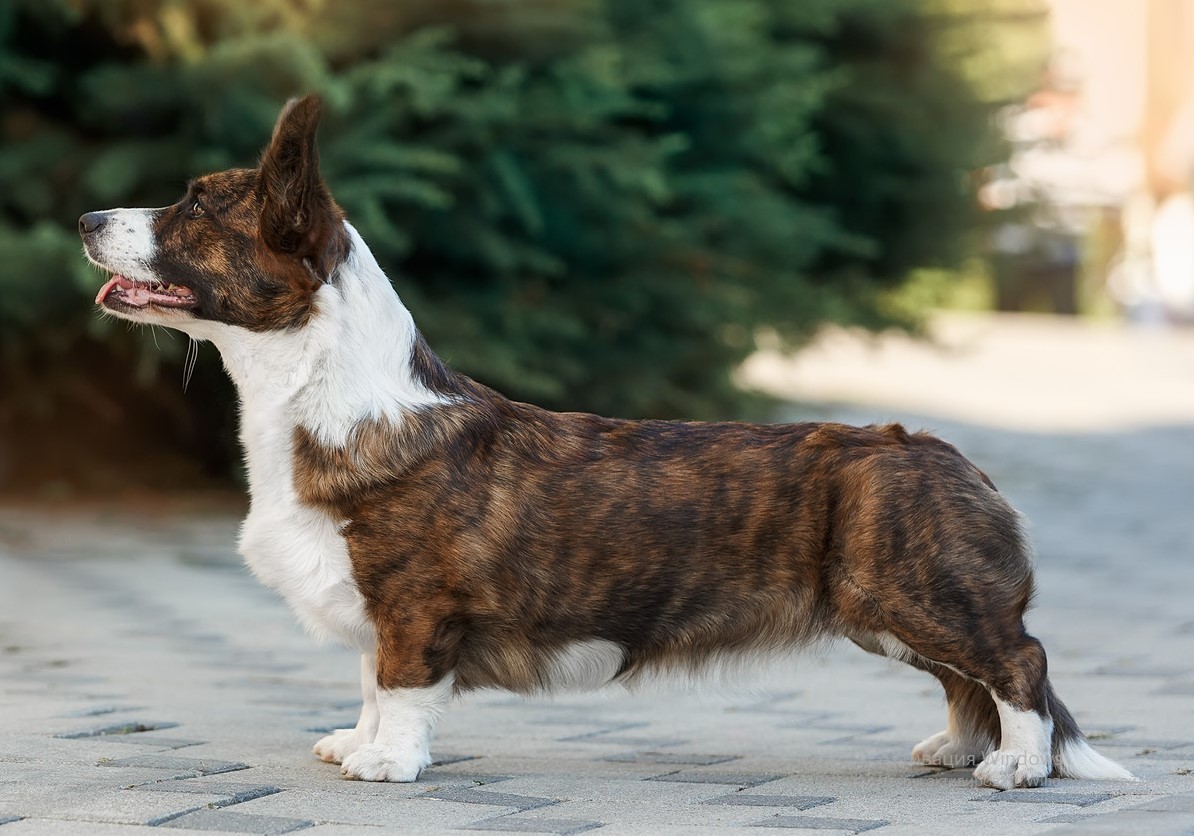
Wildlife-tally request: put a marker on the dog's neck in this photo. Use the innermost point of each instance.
(351, 362)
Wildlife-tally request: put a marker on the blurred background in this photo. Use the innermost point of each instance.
(603, 205)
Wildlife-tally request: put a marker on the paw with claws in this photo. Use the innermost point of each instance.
(948, 750)
(1005, 769)
(338, 745)
(375, 762)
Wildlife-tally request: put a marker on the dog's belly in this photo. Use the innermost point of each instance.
(300, 553)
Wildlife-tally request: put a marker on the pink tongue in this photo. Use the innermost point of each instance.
(108, 285)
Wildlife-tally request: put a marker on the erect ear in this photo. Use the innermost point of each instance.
(299, 217)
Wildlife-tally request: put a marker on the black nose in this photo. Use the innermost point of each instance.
(90, 222)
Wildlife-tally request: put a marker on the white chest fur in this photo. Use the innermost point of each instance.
(294, 549)
(349, 363)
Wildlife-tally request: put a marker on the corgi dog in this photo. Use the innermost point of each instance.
(460, 540)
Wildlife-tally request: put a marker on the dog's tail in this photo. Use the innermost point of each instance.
(1073, 756)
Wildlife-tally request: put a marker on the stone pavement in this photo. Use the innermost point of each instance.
(147, 681)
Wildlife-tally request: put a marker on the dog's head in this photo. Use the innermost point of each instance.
(246, 247)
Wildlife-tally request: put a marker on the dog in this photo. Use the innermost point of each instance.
(461, 540)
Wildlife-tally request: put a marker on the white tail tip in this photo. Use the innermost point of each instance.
(1078, 760)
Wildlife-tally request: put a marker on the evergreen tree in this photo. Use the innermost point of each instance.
(591, 204)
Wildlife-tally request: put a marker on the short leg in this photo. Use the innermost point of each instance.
(1016, 679)
(343, 742)
(415, 681)
(1007, 663)
(1025, 754)
(972, 724)
(401, 749)
(972, 727)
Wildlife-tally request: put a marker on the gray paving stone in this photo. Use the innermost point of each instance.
(506, 824)
(817, 823)
(149, 741)
(679, 758)
(642, 742)
(862, 731)
(468, 795)
(100, 710)
(1144, 670)
(34, 826)
(1176, 689)
(232, 822)
(180, 766)
(738, 779)
(1172, 804)
(601, 732)
(232, 793)
(440, 778)
(354, 803)
(1147, 743)
(802, 802)
(1078, 799)
(442, 759)
(128, 728)
(366, 830)
(1069, 818)
(782, 703)
(1134, 822)
(91, 801)
(176, 813)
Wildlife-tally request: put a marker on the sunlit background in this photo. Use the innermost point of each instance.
(612, 205)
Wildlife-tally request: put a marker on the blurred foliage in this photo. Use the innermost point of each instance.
(589, 204)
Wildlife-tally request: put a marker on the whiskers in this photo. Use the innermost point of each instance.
(188, 365)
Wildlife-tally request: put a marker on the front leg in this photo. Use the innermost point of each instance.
(410, 698)
(343, 742)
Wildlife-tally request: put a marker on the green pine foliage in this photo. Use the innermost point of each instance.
(589, 204)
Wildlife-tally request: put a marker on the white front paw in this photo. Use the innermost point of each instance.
(338, 745)
(1004, 769)
(375, 762)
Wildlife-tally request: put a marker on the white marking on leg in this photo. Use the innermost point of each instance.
(1024, 757)
(402, 746)
(343, 742)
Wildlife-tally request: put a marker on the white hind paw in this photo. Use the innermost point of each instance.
(338, 745)
(1005, 769)
(943, 749)
(926, 750)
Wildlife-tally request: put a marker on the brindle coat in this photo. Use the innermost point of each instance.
(488, 535)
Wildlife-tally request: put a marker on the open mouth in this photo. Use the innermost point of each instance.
(139, 294)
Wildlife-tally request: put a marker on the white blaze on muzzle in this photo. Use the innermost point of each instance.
(121, 240)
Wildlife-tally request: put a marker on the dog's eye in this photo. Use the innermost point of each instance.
(196, 209)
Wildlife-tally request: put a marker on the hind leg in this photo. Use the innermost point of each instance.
(997, 657)
(972, 722)
(937, 562)
(1025, 754)
(1013, 673)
